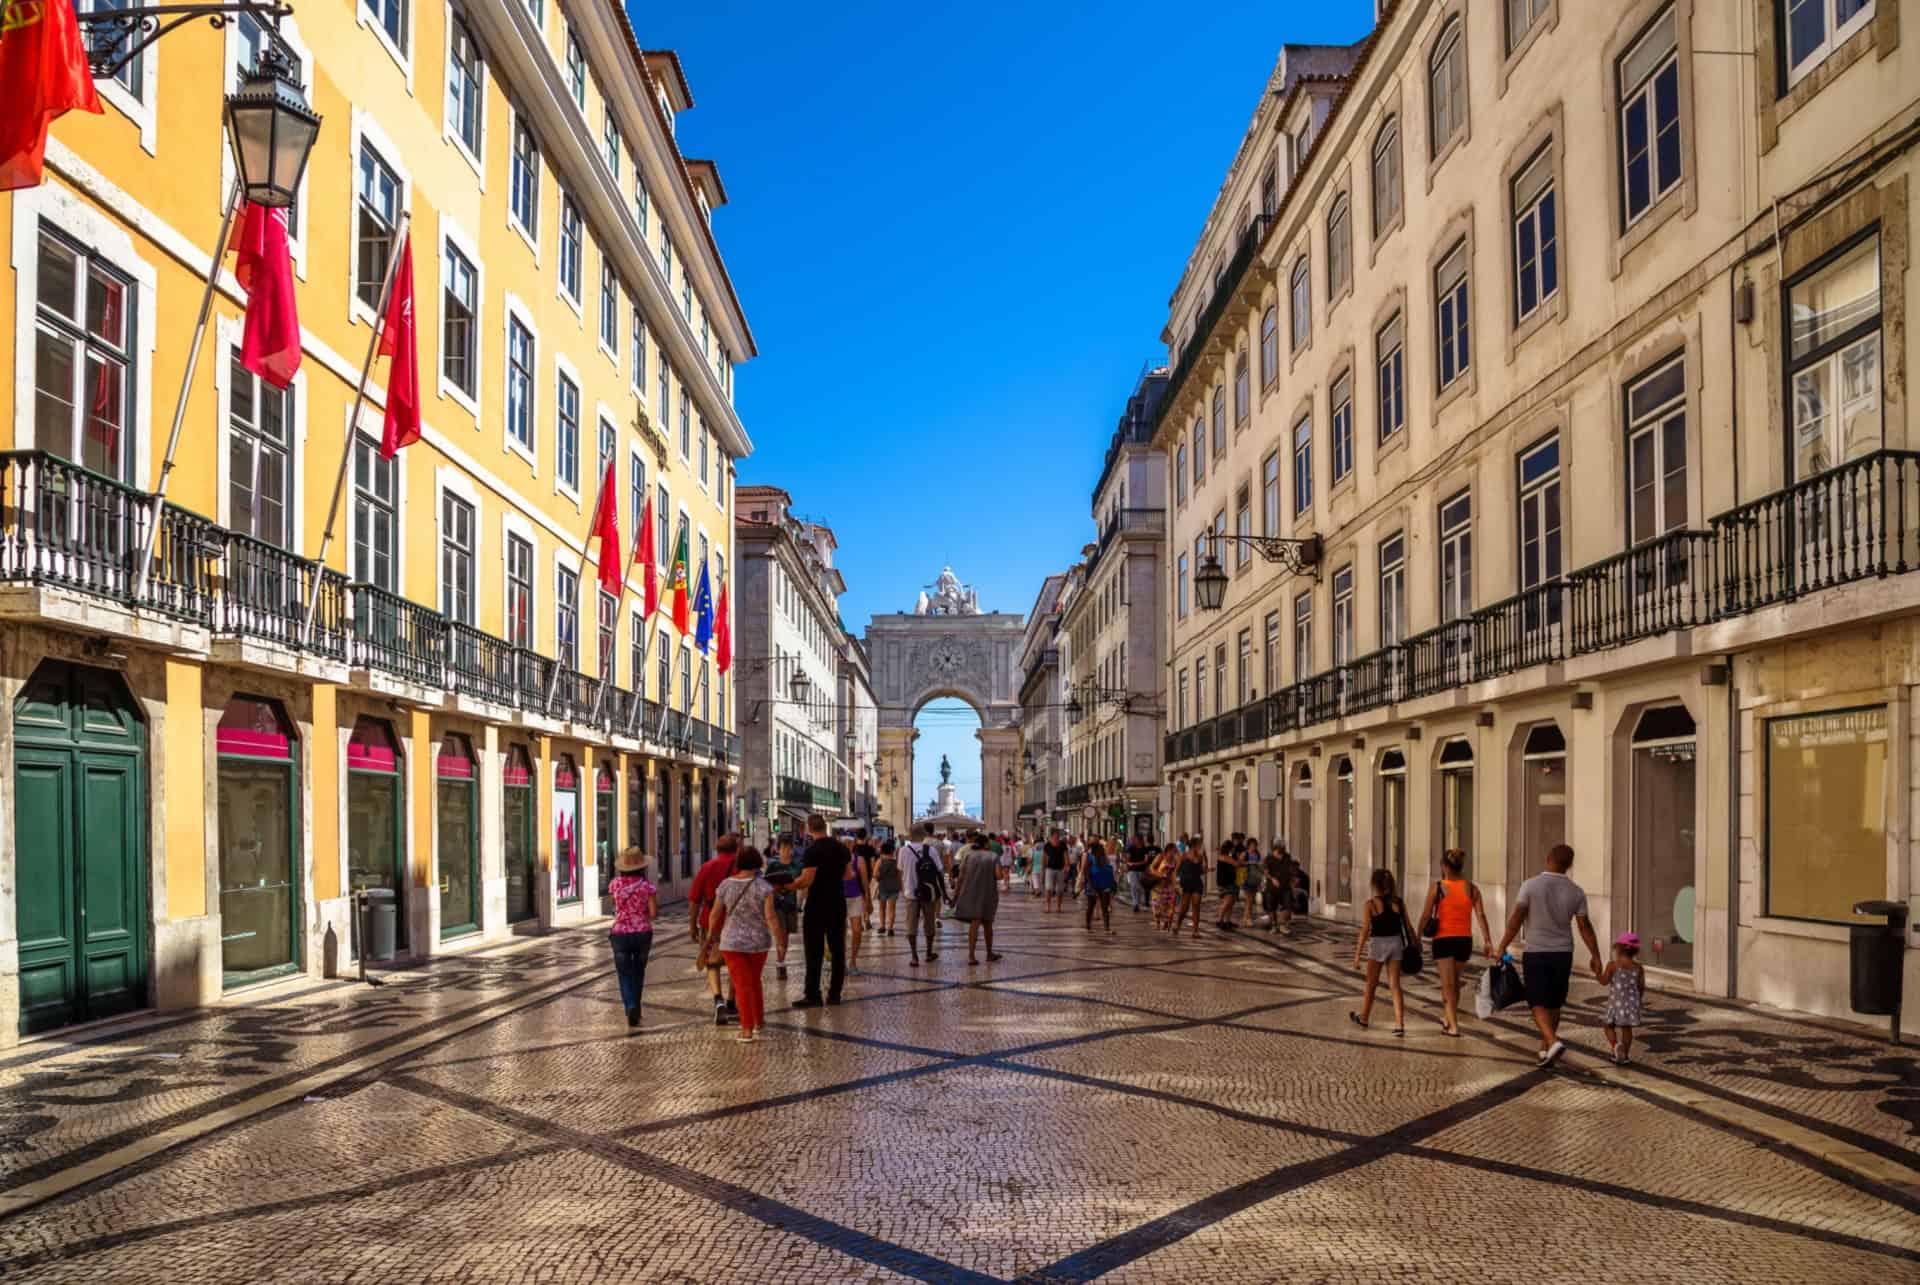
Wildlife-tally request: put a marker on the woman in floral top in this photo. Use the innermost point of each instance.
(745, 900)
(635, 903)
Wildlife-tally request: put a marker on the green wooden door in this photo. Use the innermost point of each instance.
(80, 906)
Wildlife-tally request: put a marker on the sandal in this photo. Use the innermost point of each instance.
(1355, 1019)
(1399, 1030)
(993, 958)
(1451, 1033)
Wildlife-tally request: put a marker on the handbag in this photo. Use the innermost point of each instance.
(1432, 927)
(1411, 960)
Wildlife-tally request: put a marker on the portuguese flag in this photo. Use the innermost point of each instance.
(677, 584)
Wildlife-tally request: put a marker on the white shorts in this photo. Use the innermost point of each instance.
(854, 908)
(1054, 880)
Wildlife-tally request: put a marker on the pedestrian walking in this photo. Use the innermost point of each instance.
(1384, 934)
(1626, 983)
(743, 919)
(823, 919)
(924, 887)
(886, 888)
(1452, 906)
(781, 870)
(1192, 875)
(1276, 894)
(635, 904)
(976, 897)
(706, 882)
(1139, 858)
(1253, 876)
(1550, 906)
(1226, 878)
(1098, 878)
(1166, 892)
(855, 886)
(1053, 862)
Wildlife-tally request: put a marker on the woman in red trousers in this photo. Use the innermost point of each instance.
(743, 917)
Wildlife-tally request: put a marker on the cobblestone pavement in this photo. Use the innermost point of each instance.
(1125, 1107)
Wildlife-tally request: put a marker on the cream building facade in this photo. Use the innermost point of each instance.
(472, 727)
(1569, 342)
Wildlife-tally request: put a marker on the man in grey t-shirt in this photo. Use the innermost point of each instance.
(1550, 906)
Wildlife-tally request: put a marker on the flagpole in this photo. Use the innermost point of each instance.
(186, 385)
(579, 574)
(353, 422)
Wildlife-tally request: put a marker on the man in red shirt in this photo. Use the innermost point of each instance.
(706, 882)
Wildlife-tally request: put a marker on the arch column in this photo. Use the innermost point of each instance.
(896, 760)
(999, 752)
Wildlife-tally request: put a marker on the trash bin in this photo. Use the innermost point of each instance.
(380, 924)
(1878, 952)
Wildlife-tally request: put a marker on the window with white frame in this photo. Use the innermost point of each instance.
(456, 558)
(1456, 558)
(466, 86)
(660, 520)
(609, 440)
(1812, 29)
(391, 17)
(1270, 495)
(686, 680)
(1536, 246)
(1180, 587)
(637, 653)
(1199, 454)
(1200, 686)
(520, 372)
(459, 340)
(1301, 302)
(1521, 15)
(663, 670)
(576, 64)
(572, 248)
(606, 633)
(640, 203)
(1270, 657)
(705, 452)
(1339, 246)
(610, 141)
(1303, 465)
(377, 220)
(1447, 88)
(83, 379)
(523, 180)
(1386, 175)
(1180, 475)
(1242, 527)
(1219, 421)
(250, 40)
(1540, 554)
(686, 422)
(639, 349)
(566, 432)
(133, 76)
(259, 461)
(376, 514)
(666, 255)
(636, 496)
(1303, 635)
(566, 617)
(1269, 345)
(1451, 333)
(1180, 714)
(1833, 358)
(1340, 426)
(1390, 359)
(519, 591)
(1219, 679)
(1657, 451)
(1393, 590)
(1242, 402)
(609, 306)
(1649, 80)
(1343, 648)
(666, 420)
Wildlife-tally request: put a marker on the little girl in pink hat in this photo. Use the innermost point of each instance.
(1626, 984)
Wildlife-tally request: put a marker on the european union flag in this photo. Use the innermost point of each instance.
(703, 611)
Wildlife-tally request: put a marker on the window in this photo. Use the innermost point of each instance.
(519, 591)
(608, 439)
(1657, 452)
(520, 364)
(83, 360)
(606, 637)
(133, 76)
(1447, 89)
(1833, 355)
(1456, 558)
(523, 180)
(1391, 359)
(1451, 331)
(686, 422)
(1540, 516)
(566, 434)
(1302, 636)
(1393, 590)
(1180, 714)
(1242, 526)
(1649, 75)
(1269, 345)
(1386, 176)
(1342, 616)
(571, 249)
(1340, 427)
(456, 558)
(1302, 304)
(1339, 247)
(1269, 191)
(610, 141)
(1270, 658)
(686, 680)
(1827, 813)
(1219, 679)
(705, 439)
(376, 514)
(576, 70)
(1303, 465)
(609, 306)
(1521, 15)
(1536, 258)
(1815, 28)
(459, 361)
(1270, 495)
(391, 16)
(663, 670)
(466, 88)
(665, 422)
(640, 204)
(1243, 674)
(639, 350)
(1241, 402)
(566, 617)
(1200, 686)
(538, 9)
(660, 506)
(1219, 421)
(378, 219)
(1199, 453)
(259, 468)
(666, 255)
(1180, 475)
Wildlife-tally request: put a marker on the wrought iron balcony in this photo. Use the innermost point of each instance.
(482, 666)
(264, 593)
(806, 794)
(533, 676)
(400, 637)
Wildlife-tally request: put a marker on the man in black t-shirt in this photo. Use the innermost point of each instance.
(823, 921)
(1053, 863)
(1137, 860)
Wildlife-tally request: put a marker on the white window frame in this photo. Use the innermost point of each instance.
(512, 311)
(1834, 36)
(402, 58)
(531, 235)
(449, 481)
(1643, 89)
(228, 333)
(576, 300)
(364, 131)
(1453, 301)
(1533, 210)
(514, 526)
(450, 128)
(453, 236)
(563, 368)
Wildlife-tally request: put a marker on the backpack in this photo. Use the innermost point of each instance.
(926, 873)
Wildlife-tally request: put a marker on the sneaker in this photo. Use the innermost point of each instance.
(733, 1009)
(1553, 1052)
(633, 1017)
(780, 971)
(931, 956)
(719, 1015)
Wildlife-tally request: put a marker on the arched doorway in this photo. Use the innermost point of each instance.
(80, 809)
(376, 817)
(1543, 796)
(1661, 891)
(457, 814)
(948, 779)
(258, 774)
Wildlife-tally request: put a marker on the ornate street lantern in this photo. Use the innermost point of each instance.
(798, 686)
(1210, 584)
(272, 129)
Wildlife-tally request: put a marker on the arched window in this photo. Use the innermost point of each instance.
(1447, 88)
(1240, 398)
(1270, 345)
(1302, 304)
(1339, 247)
(1386, 175)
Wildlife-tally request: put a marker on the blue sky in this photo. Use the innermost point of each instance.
(954, 232)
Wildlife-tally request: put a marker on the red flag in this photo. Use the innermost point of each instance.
(606, 527)
(723, 635)
(44, 65)
(270, 347)
(399, 341)
(645, 554)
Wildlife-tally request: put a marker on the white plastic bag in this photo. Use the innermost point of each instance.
(1483, 998)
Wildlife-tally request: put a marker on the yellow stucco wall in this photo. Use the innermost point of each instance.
(186, 789)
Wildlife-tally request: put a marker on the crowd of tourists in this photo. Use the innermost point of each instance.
(745, 904)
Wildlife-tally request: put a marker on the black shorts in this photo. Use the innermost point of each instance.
(1547, 975)
(1460, 948)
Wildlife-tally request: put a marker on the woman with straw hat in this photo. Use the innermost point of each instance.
(635, 903)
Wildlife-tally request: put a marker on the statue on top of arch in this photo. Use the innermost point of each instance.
(949, 597)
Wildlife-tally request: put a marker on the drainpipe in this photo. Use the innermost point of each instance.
(1733, 833)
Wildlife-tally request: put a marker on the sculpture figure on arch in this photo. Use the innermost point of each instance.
(949, 597)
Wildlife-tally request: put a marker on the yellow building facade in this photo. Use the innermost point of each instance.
(197, 781)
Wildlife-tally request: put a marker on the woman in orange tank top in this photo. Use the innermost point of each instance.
(1452, 906)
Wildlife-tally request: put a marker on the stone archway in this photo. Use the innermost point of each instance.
(946, 647)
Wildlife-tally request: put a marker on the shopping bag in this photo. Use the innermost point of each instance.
(1483, 997)
(1500, 987)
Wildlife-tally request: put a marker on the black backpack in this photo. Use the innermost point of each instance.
(926, 873)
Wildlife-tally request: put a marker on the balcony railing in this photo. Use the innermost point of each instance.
(264, 591)
(482, 666)
(1225, 285)
(576, 697)
(806, 794)
(400, 637)
(1440, 659)
(1652, 588)
(1073, 796)
(533, 676)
